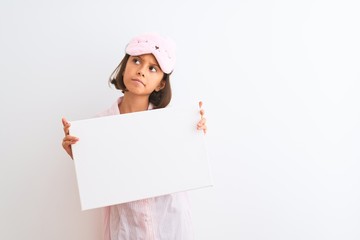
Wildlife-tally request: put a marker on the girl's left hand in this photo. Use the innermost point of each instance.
(202, 123)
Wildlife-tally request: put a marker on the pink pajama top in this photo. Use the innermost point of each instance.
(164, 217)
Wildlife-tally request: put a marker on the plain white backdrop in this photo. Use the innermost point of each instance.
(280, 82)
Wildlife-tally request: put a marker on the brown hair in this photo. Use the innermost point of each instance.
(159, 99)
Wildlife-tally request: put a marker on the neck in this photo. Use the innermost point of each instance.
(133, 103)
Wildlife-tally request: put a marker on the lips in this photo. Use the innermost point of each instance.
(138, 80)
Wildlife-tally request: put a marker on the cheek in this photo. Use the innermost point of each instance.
(156, 80)
(127, 73)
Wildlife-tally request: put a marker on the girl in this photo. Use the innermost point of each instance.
(143, 76)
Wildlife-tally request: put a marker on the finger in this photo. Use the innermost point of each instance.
(200, 104)
(71, 141)
(71, 138)
(64, 121)
(67, 144)
(202, 121)
(203, 127)
(66, 126)
(202, 112)
(66, 130)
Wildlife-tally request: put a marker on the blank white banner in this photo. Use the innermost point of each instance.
(134, 156)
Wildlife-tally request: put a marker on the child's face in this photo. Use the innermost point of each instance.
(143, 75)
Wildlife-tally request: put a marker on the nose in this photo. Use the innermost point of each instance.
(141, 71)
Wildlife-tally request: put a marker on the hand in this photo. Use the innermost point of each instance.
(202, 123)
(68, 139)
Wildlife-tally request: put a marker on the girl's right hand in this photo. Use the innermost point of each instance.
(202, 123)
(68, 139)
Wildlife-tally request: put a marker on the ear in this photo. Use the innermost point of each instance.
(160, 86)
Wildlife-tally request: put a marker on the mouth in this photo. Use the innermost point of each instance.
(138, 80)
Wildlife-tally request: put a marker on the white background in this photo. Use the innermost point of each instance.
(280, 82)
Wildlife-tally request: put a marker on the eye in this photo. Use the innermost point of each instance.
(136, 61)
(153, 69)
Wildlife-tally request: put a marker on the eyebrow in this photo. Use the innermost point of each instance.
(155, 64)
